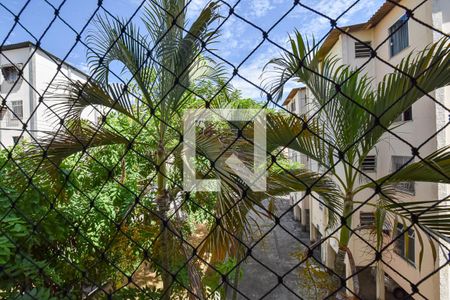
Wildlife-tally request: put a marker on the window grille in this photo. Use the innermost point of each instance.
(369, 163)
(362, 49)
(366, 218)
(17, 109)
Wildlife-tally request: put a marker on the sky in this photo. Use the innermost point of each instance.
(237, 41)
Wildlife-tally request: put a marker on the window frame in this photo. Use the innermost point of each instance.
(363, 215)
(396, 29)
(407, 187)
(400, 244)
(15, 115)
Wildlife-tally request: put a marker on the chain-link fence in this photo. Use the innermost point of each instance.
(224, 150)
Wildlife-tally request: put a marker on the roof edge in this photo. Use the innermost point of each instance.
(376, 18)
(28, 44)
(291, 95)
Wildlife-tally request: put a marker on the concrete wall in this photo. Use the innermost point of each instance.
(47, 74)
(14, 92)
(40, 70)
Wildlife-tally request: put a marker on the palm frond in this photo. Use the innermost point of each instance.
(301, 180)
(432, 216)
(182, 63)
(416, 75)
(344, 98)
(340, 94)
(433, 168)
(72, 98)
(236, 200)
(299, 134)
(54, 148)
(122, 41)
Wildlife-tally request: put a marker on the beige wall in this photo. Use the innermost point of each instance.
(427, 119)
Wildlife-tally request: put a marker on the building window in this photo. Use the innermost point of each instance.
(10, 73)
(397, 163)
(17, 109)
(293, 108)
(3, 111)
(398, 34)
(321, 202)
(405, 116)
(369, 164)
(362, 49)
(366, 218)
(16, 139)
(405, 244)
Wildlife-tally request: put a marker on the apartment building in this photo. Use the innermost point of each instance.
(26, 73)
(396, 36)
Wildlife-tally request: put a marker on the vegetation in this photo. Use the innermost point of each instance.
(95, 206)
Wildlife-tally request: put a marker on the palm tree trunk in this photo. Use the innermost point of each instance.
(380, 281)
(165, 248)
(339, 266)
(195, 280)
(344, 240)
(162, 200)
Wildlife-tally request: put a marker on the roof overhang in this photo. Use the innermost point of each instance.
(29, 44)
(292, 94)
(334, 34)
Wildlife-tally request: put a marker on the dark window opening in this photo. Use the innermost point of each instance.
(10, 74)
(399, 35)
(3, 111)
(405, 116)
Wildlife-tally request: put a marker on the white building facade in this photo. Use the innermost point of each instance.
(395, 38)
(27, 72)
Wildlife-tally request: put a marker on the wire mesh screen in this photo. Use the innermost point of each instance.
(273, 149)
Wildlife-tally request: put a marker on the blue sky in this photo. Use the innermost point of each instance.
(237, 40)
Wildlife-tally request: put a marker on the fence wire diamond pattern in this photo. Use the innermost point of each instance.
(356, 163)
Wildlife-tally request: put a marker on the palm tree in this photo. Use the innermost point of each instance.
(353, 118)
(167, 65)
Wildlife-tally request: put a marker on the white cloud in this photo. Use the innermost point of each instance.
(83, 67)
(252, 70)
(260, 8)
(196, 6)
(313, 24)
(310, 24)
